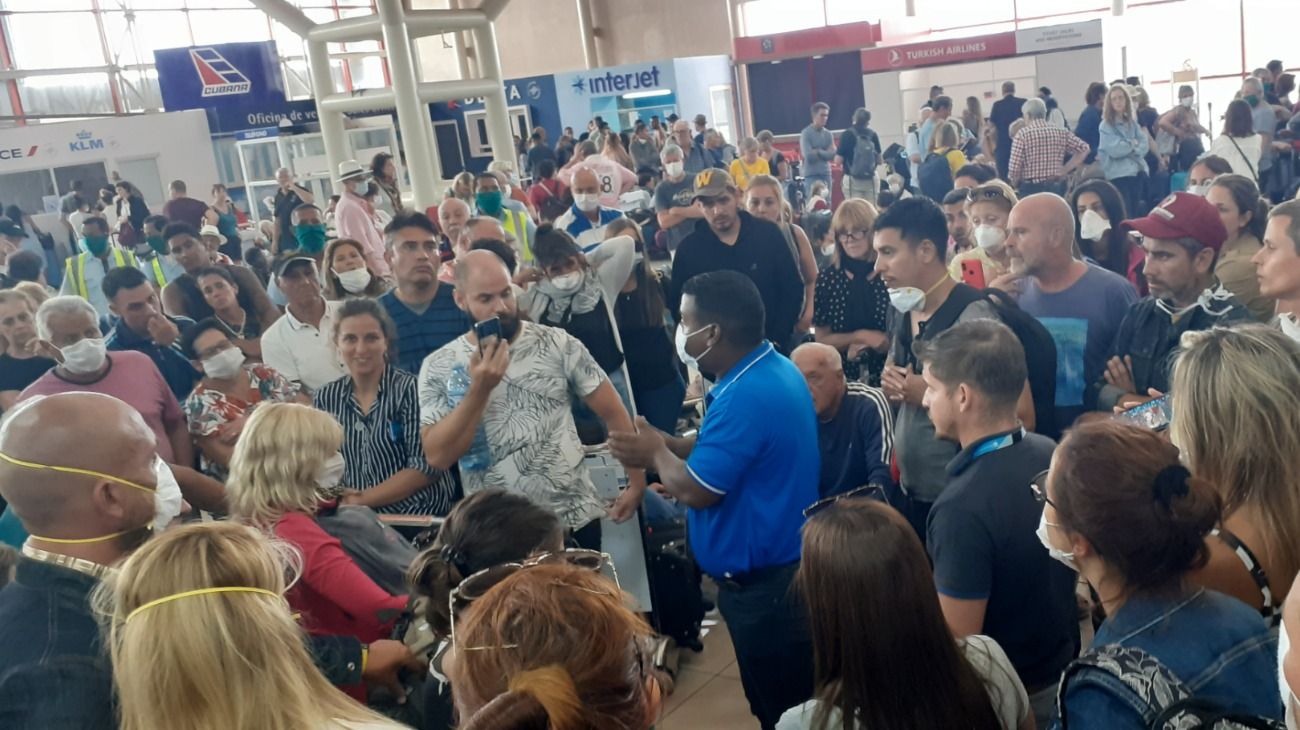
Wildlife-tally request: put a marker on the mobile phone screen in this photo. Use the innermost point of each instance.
(1154, 414)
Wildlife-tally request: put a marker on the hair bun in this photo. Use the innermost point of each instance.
(1171, 483)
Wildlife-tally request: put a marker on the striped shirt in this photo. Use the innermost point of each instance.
(378, 444)
(420, 333)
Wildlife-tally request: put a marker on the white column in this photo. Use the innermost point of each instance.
(586, 29)
(417, 136)
(500, 132)
(331, 122)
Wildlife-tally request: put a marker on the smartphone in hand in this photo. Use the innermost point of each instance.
(485, 329)
(1154, 414)
(972, 273)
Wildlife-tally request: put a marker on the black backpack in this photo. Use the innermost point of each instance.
(863, 164)
(934, 177)
(553, 206)
(1040, 348)
(1154, 692)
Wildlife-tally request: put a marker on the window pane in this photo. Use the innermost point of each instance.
(1266, 38)
(54, 40)
(92, 175)
(359, 45)
(229, 26)
(297, 81)
(140, 92)
(1215, 46)
(367, 73)
(958, 13)
(287, 43)
(69, 94)
(26, 189)
(852, 11)
(1037, 8)
(134, 41)
(767, 17)
(45, 4)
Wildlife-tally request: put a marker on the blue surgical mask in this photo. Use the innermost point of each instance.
(311, 237)
(488, 202)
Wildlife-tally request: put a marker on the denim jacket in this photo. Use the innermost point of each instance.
(54, 673)
(1219, 647)
(1122, 149)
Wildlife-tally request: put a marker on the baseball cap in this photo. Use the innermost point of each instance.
(10, 229)
(283, 266)
(711, 183)
(1182, 215)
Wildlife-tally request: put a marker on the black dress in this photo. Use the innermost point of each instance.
(848, 298)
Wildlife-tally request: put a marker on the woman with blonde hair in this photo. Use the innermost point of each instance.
(199, 613)
(988, 208)
(1236, 418)
(553, 646)
(851, 303)
(1123, 147)
(947, 142)
(286, 453)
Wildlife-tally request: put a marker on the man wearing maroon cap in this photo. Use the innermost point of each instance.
(1182, 237)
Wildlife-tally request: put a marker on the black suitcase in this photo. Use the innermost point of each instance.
(679, 604)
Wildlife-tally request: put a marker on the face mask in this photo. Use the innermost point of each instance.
(1199, 191)
(909, 299)
(158, 244)
(311, 236)
(355, 281)
(1187, 102)
(166, 498)
(568, 282)
(331, 473)
(828, 249)
(488, 203)
(224, 364)
(1092, 226)
(96, 245)
(674, 169)
(1289, 326)
(586, 202)
(1216, 301)
(85, 356)
(686, 358)
(1252, 99)
(1288, 696)
(990, 238)
(895, 188)
(1066, 559)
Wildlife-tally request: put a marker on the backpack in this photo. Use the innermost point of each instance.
(379, 550)
(1040, 348)
(934, 177)
(1154, 692)
(896, 157)
(863, 164)
(553, 206)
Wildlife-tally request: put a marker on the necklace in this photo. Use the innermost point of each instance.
(239, 331)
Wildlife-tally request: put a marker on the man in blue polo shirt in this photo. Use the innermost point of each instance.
(746, 478)
(991, 572)
(586, 219)
(422, 307)
(142, 327)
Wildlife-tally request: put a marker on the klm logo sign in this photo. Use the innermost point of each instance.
(617, 83)
(85, 142)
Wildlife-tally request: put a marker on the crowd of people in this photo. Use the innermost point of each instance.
(1001, 437)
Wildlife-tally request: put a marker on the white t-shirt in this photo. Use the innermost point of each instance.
(1243, 162)
(1010, 701)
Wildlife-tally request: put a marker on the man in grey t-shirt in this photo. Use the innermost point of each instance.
(674, 206)
(817, 146)
(1252, 91)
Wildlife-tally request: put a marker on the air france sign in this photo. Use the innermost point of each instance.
(18, 153)
(616, 82)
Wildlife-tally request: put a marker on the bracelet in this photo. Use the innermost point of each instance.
(365, 657)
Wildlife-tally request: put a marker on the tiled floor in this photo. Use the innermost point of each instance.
(708, 693)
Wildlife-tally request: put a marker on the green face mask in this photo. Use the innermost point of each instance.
(1252, 100)
(489, 202)
(311, 237)
(158, 244)
(96, 245)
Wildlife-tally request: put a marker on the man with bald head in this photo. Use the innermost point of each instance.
(53, 670)
(518, 394)
(1081, 304)
(855, 428)
(422, 307)
(587, 218)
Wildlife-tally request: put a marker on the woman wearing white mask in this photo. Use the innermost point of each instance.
(577, 292)
(231, 387)
(851, 307)
(347, 275)
(1120, 508)
(379, 409)
(988, 208)
(288, 451)
(1099, 208)
(1244, 214)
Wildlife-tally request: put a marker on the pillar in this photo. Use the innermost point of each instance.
(417, 135)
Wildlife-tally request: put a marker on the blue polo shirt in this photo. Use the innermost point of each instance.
(757, 449)
(421, 333)
(176, 369)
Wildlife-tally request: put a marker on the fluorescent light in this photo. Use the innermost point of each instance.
(647, 94)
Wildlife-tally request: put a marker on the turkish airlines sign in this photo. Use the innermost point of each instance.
(934, 53)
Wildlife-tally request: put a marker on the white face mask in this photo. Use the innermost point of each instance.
(1066, 559)
(166, 498)
(1288, 695)
(354, 281)
(1289, 326)
(586, 202)
(568, 282)
(1188, 102)
(1199, 190)
(331, 472)
(224, 364)
(85, 356)
(828, 249)
(990, 238)
(907, 299)
(674, 169)
(1092, 226)
(686, 358)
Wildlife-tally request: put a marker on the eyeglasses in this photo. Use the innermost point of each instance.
(1038, 485)
(986, 192)
(475, 586)
(856, 236)
(866, 490)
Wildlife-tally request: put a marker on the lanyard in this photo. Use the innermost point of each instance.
(997, 444)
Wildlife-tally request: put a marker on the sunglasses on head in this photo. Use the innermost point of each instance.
(866, 490)
(986, 192)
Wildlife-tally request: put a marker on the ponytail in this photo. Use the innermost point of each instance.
(432, 575)
(543, 699)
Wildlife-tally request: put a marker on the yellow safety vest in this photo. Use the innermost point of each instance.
(120, 259)
(516, 224)
(158, 274)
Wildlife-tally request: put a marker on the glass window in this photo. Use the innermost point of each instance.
(297, 80)
(1205, 30)
(287, 43)
(767, 17)
(19, 5)
(855, 11)
(229, 26)
(66, 94)
(359, 13)
(367, 72)
(140, 91)
(134, 40)
(958, 13)
(26, 190)
(143, 173)
(54, 40)
(93, 176)
(1266, 38)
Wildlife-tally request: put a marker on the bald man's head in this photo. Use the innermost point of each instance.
(88, 431)
(484, 290)
(585, 182)
(1040, 234)
(823, 370)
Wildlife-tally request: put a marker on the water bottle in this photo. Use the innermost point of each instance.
(479, 456)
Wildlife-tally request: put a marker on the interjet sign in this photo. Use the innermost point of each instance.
(617, 83)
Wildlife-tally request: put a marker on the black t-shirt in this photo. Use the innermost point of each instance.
(650, 354)
(18, 373)
(285, 202)
(982, 540)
